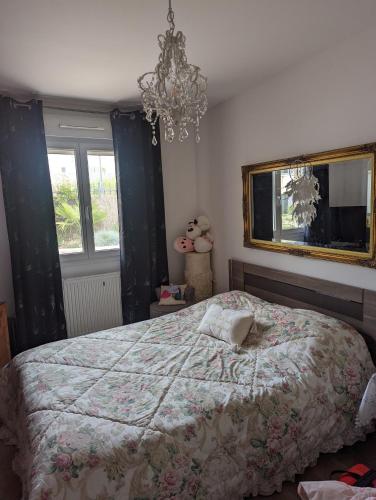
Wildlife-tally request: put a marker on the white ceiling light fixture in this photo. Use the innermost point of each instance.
(176, 91)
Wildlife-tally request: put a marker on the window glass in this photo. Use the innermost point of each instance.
(66, 201)
(104, 208)
(287, 204)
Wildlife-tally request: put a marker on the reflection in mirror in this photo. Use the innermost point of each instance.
(324, 205)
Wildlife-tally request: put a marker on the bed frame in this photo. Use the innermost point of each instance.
(356, 306)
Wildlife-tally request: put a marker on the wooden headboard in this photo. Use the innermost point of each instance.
(356, 306)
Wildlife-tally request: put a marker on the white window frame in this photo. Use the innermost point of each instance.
(89, 259)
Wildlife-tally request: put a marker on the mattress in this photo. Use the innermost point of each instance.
(155, 410)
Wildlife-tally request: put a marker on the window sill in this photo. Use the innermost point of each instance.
(75, 266)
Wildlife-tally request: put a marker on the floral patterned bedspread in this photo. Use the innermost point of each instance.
(155, 410)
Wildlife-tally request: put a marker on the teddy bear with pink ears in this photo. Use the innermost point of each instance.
(197, 237)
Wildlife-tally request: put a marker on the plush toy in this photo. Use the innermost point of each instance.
(193, 230)
(197, 237)
(202, 244)
(203, 223)
(183, 244)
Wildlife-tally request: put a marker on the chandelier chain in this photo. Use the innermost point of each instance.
(170, 16)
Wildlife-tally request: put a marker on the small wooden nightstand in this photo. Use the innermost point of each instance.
(4, 336)
(156, 310)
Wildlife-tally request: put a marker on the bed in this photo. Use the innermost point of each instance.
(155, 410)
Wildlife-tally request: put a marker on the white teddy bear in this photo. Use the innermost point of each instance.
(203, 223)
(203, 244)
(198, 232)
(198, 235)
(193, 230)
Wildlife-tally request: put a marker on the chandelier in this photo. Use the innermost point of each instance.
(176, 91)
(304, 189)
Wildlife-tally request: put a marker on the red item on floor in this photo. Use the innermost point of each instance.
(359, 475)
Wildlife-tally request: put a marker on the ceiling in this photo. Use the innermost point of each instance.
(96, 49)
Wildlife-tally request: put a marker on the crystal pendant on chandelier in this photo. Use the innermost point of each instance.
(304, 189)
(176, 91)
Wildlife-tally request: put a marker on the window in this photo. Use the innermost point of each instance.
(85, 198)
(103, 197)
(66, 200)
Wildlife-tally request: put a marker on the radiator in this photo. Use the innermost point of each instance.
(92, 303)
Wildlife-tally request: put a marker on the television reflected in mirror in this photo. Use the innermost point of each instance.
(317, 206)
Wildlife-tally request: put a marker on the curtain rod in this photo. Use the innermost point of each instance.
(78, 110)
(20, 97)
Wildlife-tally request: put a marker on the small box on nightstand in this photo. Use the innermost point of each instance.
(157, 309)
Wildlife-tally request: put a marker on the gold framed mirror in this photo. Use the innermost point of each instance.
(319, 205)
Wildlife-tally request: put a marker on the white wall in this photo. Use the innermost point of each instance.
(349, 183)
(326, 103)
(180, 192)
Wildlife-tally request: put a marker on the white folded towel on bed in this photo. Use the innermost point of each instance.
(367, 409)
(230, 325)
(333, 490)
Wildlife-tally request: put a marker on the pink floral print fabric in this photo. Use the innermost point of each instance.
(155, 410)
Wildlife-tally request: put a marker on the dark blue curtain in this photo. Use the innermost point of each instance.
(141, 211)
(263, 206)
(31, 225)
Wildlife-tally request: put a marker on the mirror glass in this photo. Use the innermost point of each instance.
(324, 205)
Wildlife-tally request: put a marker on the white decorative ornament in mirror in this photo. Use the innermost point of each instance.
(176, 91)
(304, 189)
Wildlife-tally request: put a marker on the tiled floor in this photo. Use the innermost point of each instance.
(10, 488)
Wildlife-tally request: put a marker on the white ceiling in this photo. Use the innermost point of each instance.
(96, 49)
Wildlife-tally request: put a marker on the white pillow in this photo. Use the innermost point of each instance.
(230, 325)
